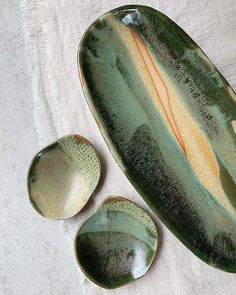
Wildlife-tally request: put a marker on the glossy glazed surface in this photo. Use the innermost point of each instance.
(63, 176)
(168, 117)
(116, 244)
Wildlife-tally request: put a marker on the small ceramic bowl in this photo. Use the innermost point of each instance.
(63, 176)
(116, 244)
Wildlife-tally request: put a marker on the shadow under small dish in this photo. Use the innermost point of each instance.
(63, 176)
(116, 244)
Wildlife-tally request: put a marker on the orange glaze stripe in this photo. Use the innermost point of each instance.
(160, 87)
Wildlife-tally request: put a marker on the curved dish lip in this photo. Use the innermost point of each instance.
(128, 7)
(193, 249)
(31, 163)
(85, 220)
(133, 7)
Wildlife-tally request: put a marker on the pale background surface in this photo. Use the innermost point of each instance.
(41, 100)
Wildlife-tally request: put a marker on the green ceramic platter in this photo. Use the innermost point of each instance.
(116, 244)
(169, 119)
(63, 176)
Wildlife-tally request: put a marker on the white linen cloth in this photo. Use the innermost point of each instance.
(53, 29)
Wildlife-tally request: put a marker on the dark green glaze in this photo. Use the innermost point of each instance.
(63, 176)
(168, 117)
(116, 244)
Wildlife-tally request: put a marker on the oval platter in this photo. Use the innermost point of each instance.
(169, 119)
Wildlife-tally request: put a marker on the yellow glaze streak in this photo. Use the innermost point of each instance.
(143, 70)
(183, 128)
(197, 148)
(199, 152)
(233, 123)
(160, 87)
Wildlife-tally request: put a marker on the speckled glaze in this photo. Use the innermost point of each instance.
(63, 176)
(116, 244)
(169, 119)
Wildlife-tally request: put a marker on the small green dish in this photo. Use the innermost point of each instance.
(63, 176)
(116, 244)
